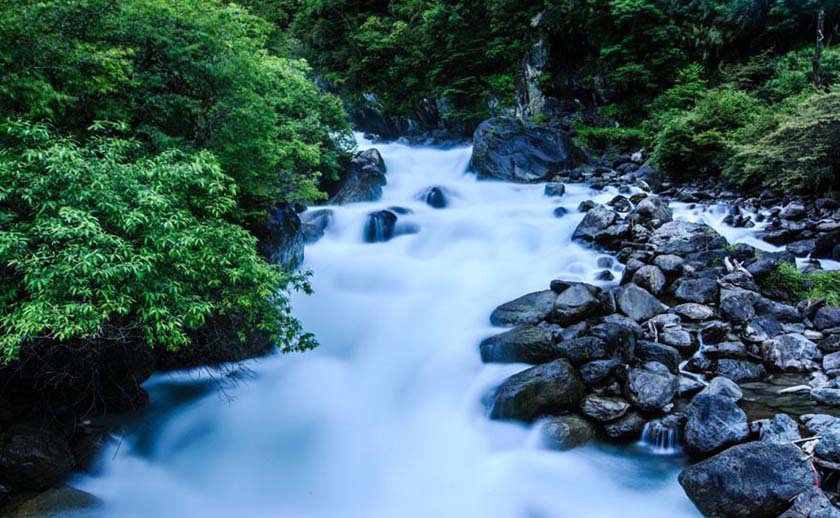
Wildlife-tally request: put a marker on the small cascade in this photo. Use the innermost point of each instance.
(380, 226)
(664, 436)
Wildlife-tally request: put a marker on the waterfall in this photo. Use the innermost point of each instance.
(662, 437)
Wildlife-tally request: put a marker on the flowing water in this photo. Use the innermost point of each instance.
(387, 418)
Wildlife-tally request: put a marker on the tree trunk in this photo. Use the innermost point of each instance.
(818, 48)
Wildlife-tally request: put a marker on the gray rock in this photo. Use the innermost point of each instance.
(507, 148)
(315, 223)
(619, 337)
(677, 337)
(628, 427)
(596, 220)
(525, 344)
(826, 396)
(701, 290)
(777, 310)
(57, 502)
(829, 445)
(693, 311)
(380, 226)
(638, 304)
(604, 408)
(816, 423)
(683, 238)
(781, 429)
(713, 332)
(812, 503)
(582, 350)
(669, 264)
(567, 432)
(714, 423)
(748, 480)
(725, 350)
(827, 317)
(721, 386)
(656, 352)
(364, 181)
(555, 189)
(594, 373)
(689, 386)
(281, 239)
(537, 391)
(793, 210)
(739, 370)
(651, 209)
(738, 305)
(652, 388)
(575, 303)
(831, 364)
(650, 278)
(527, 309)
(791, 353)
(762, 328)
(34, 458)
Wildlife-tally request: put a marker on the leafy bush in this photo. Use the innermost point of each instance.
(99, 242)
(610, 140)
(701, 139)
(797, 150)
(815, 285)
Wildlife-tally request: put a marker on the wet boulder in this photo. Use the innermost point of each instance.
(380, 226)
(315, 223)
(555, 189)
(281, 237)
(828, 446)
(827, 317)
(651, 278)
(652, 211)
(596, 221)
(781, 429)
(754, 479)
(599, 371)
(567, 432)
(364, 180)
(509, 149)
(618, 337)
(628, 427)
(682, 238)
(656, 352)
(739, 370)
(575, 303)
(527, 309)
(525, 344)
(34, 458)
(638, 304)
(604, 408)
(693, 311)
(582, 350)
(791, 353)
(812, 503)
(714, 423)
(826, 396)
(702, 290)
(652, 387)
(540, 390)
(738, 305)
(721, 386)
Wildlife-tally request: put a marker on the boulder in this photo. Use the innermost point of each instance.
(781, 429)
(604, 408)
(435, 197)
(638, 304)
(724, 350)
(754, 479)
(380, 226)
(33, 457)
(628, 427)
(650, 278)
(651, 388)
(828, 447)
(812, 503)
(794, 211)
(657, 352)
(714, 423)
(670, 264)
(575, 303)
(555, 189)
(791, 353)
(527, 309)
(567, 432)
(522, 344)
(739, 370)
(364, 180)
(721, 386)
(619, 338)
(693, 311)
(651, 209)
(701, 290)
(595, 373)
(315, 223)
(58, 502)
(582, 350)
(281, 237)
(738, 305)
(509, 149)
(826, 396)
(537, 391)
(596, 220)
(682, 238)
(827, 317)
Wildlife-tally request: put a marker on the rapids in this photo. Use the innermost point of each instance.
(387, 418)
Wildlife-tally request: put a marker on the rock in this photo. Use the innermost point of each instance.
(725, 350)
(596, 220)
(380, 226)
(739, 370)
(555, 189)
(670, 264)
(689, 386)
(781, 429)
(582, 350)
(57, 502)
(791, 353)
(828, 446)
(281, 237)
(677, 337)
(777, 310)
(794, 211)
(575, 303)
(435, 197)
(621, 204)
(525, 344)
(826, 396)
(34, 458)
(738, 305)
(812, 503)
(801, 248)
(628, 427)
(652, 388)
(652, 177)
(594, 373)
(315, 223)
(701, 290)
(507, 148)
(693, 311)
(656, 352)
(364, 181)
(827, 317)
(537, 391)
(754, 479)
(650, 278)
(638, 304)
(651, 209)
(760, 329)
(713, 332)
(714, 423)
(831, 364)
(683, 238)
(527, 309)
(603, 408)
(721, 386)
(567, 432)
(620, 339)
(559, 212)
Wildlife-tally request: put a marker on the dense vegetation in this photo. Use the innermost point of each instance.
(707, 86)
(143, 141)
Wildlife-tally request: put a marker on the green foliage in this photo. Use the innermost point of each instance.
(610, 140)
(99, 241)
(798, 150)
(815, 285)
(700, 140)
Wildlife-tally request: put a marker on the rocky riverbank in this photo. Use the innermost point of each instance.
(669, 345)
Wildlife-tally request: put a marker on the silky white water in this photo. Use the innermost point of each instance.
(387, 418)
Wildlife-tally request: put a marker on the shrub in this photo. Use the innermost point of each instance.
(815, 285)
